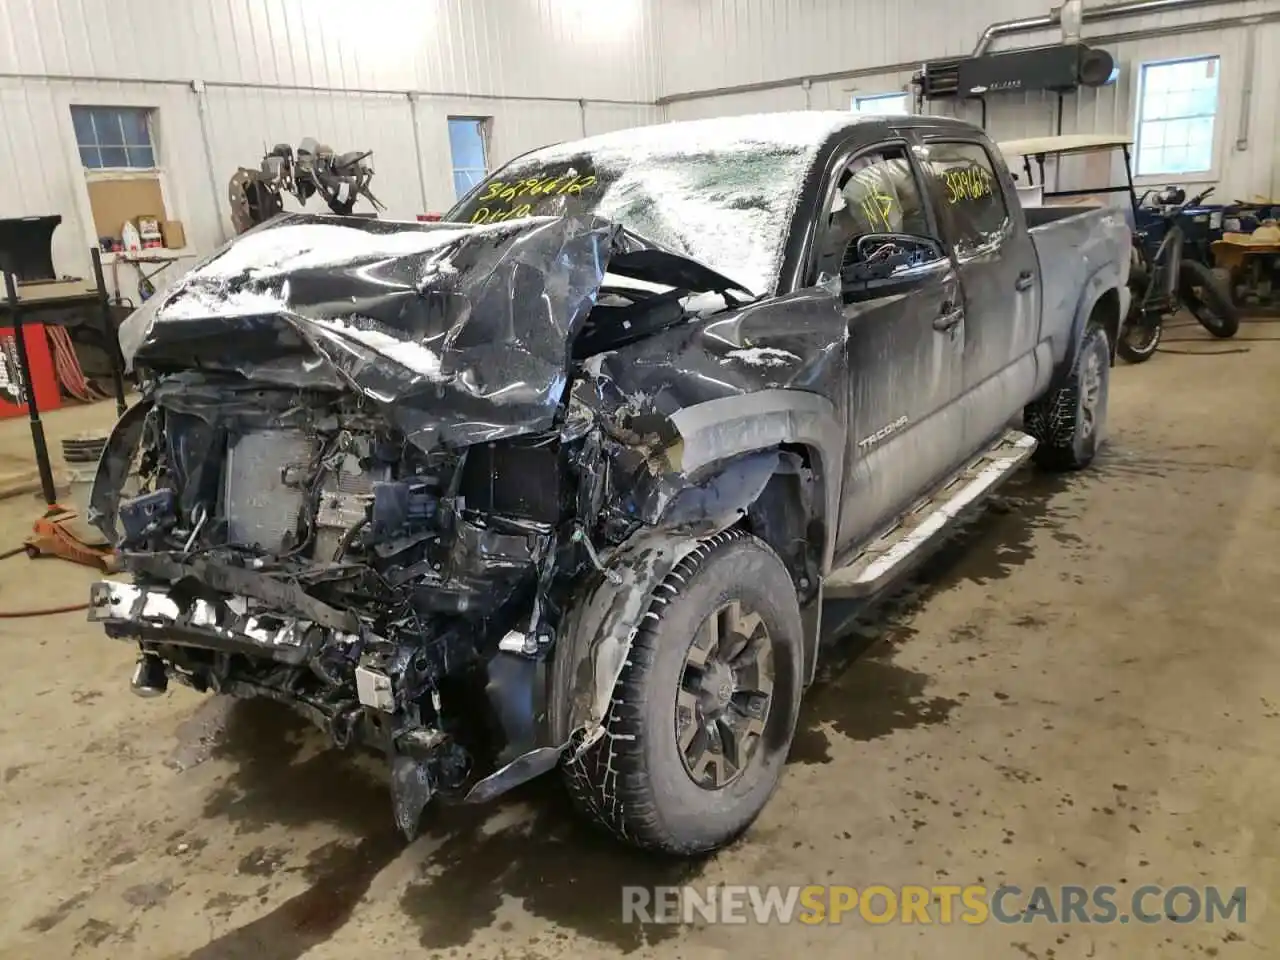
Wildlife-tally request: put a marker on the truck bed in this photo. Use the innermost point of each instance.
(1076, 246)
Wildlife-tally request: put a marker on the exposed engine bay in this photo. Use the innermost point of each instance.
(368, 497)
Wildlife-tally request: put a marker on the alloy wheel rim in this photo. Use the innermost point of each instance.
(1090, 394)
(726, 691)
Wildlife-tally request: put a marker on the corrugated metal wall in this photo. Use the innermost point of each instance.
(386, 74)
(754, 43)
(355, 76)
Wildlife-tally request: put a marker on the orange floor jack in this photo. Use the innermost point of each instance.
(60, 532)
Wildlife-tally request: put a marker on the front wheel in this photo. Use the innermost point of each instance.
(1208, 299)
(706, 705)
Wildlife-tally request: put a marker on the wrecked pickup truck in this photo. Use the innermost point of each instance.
(563, 480)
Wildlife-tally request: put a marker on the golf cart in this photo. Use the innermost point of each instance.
(1161, 280)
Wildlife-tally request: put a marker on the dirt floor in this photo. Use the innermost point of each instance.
(1083, 689)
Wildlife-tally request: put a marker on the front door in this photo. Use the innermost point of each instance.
(905, 347)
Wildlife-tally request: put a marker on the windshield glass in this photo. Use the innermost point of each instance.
(723, 201)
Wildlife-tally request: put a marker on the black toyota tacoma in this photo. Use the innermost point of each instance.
(562, 481)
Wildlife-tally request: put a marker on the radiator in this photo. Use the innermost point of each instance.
(260, 508)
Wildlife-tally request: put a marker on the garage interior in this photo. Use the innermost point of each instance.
(1077, 690)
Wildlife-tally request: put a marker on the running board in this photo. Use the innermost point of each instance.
(884, 559)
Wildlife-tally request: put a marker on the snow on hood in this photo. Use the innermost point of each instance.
(261, 254)
(462, 333)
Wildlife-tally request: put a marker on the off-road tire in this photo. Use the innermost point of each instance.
(1069, 421)
(633, 781)
(1208, 298)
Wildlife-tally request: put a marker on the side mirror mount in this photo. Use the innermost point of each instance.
(881, 265)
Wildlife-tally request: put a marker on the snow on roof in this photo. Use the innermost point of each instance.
(798, 129)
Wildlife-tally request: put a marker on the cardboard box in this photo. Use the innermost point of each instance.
(113, 202)
(149, 230)
(173, 234)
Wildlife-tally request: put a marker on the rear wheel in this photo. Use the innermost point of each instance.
(705, 708)
(1208, 299)
(1070, 421)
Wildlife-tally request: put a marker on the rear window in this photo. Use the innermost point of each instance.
(728, 206)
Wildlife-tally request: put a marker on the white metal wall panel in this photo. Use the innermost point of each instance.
(1239, 174)
(736, 104)
(538, 48)
(244, 123)
(739, 42)
(607, 117)
(44, 176)
(744, 42)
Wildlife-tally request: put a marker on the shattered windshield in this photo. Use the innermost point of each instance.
(727, 204)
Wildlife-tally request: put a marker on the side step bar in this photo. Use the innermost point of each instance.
(886, 558)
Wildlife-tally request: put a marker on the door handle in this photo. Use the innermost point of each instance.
(951, 316)
(1026, 280)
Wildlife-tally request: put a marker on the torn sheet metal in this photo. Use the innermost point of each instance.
(460, 333)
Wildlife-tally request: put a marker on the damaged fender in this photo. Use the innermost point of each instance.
(732, 443)
(601, 628)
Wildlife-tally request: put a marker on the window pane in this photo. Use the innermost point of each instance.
(140, 157)
(1204, 101)
(1200, 156)
(1155, 106)
(466, 144)
(880, 104)
(968, 193)
(114, 157)
(106, 123)
(90, 158)
(84, 126)
(876, 193)
(134, 123)
(1175, 129)
(464, 180)
(1175, 159)
(1180, 104)
(1177, 133)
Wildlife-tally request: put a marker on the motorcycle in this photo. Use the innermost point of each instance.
(1162, 281)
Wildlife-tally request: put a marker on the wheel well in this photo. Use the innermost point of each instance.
(1106, 314)
(788, 515)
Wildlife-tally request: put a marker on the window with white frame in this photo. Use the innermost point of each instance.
(1177, 107)
(468, 142)
(880, 104)
(114, 138)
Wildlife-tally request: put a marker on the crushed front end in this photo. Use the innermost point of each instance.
(418, 481)
(357, 482)
(292, 544)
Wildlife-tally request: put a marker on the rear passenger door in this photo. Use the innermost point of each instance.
(999, 275)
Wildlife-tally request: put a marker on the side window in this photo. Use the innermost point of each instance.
(875, 193)
(967, 194)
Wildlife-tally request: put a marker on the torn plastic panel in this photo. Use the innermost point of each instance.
(460, 334)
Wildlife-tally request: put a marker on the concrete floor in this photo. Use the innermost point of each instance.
(1084, 689)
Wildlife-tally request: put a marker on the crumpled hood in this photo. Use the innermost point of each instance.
(461, 333)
